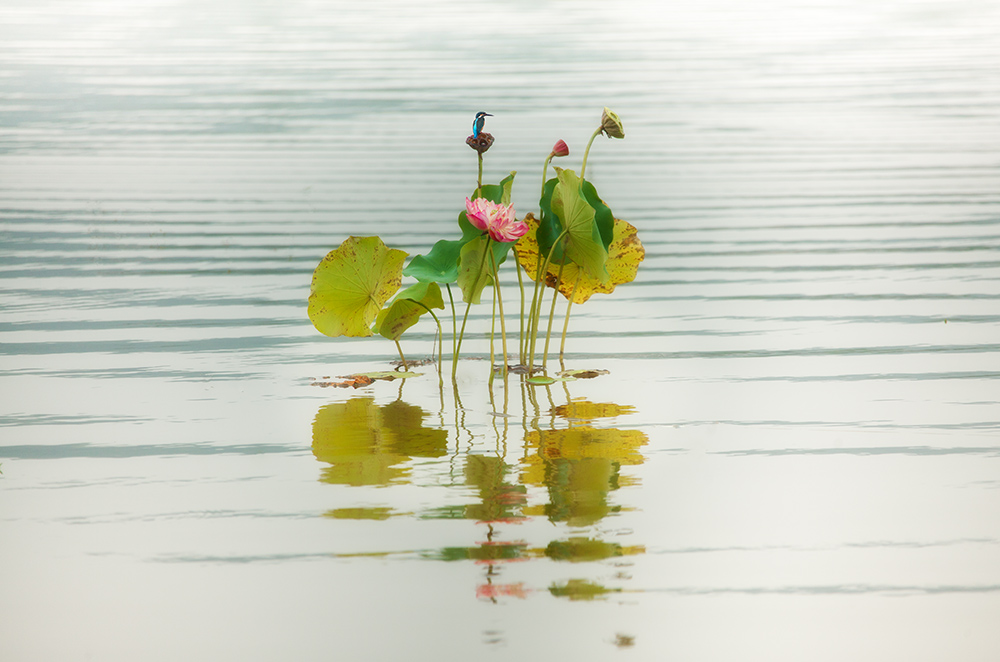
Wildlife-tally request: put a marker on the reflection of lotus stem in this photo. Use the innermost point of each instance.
(586, 153)
(402, 358)
(499, 300)
(536, 299)
(440, 339)
(552, 312)
(468, 305)
(569, 307)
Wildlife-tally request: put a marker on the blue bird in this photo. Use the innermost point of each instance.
(477, 124)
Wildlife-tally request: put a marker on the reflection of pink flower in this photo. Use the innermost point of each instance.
(496, 219)
(493, 591)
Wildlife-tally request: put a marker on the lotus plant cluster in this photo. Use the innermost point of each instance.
(574, 246)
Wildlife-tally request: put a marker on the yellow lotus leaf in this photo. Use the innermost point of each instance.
(624, 255)
(350, 285)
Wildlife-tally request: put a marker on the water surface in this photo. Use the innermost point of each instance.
(794, 455)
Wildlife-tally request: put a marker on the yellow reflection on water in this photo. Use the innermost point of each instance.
(580, 465)
(366, 444)
(565, 474)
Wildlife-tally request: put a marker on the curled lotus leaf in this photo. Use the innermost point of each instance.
(407, 308)
(584, 246)
(438, 266)
(498, 193)
(474, 269)
(624, 255)
(350, 285)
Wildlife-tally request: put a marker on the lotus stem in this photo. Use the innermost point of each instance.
(499, 300)
(569, 307)
(401, 357)
(586, 153)
(465, 318)
(493, 332)
(536, 299)
(545, 171)
(552, 311)
(479, 181)
(520, 334)
(454, 320)
(440, 336)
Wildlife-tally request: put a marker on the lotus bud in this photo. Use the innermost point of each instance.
(611, 125)
(560, 149)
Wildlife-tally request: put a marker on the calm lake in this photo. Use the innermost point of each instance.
(794, 454)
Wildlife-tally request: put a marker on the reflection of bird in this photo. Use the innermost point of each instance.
(477, 124)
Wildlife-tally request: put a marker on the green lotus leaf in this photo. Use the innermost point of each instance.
(624, 255)
(543, 380)
(498, 193)
(603, 216)
(474, 272)
(350, 285)
(469, 231)
(407, 308)
(549, 226)
(584, 244)
(438, 266)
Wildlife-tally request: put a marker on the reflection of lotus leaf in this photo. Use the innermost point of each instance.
(578, 490)
(374, 513)
(485, 553)
(586, 549)
(586, 442)
(498, 499)
(364, 442)
(581, 589)
(579, 466)
(583, 410)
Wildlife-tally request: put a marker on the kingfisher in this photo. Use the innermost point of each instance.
(477, 124)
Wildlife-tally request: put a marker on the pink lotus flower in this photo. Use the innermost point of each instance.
(561, 149)
(496, 219)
